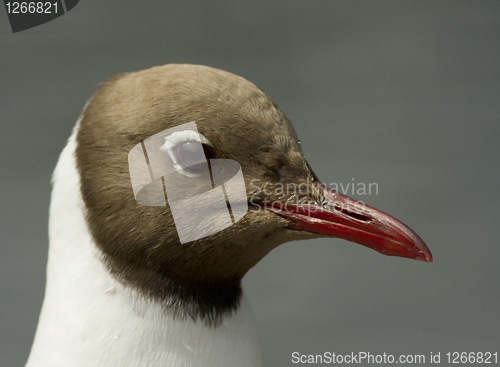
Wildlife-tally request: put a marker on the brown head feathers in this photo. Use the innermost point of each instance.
(200, 279)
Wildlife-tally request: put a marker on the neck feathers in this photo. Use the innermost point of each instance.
(90, 319)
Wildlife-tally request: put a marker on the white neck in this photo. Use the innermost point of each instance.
(89, 319)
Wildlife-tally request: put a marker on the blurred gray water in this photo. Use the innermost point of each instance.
(402, 94)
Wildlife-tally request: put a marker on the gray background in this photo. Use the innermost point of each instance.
(404, 94)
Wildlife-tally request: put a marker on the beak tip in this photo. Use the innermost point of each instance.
(425, 256)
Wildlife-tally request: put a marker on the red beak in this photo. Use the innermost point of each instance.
(342, 217)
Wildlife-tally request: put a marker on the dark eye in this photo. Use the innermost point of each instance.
(209, 152)
(193, 155)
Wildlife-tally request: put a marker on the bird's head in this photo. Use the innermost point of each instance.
(235, 121)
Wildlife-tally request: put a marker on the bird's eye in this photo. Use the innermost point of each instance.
(194, 156)
(189, 151)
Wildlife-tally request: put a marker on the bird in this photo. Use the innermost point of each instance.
(123, 288)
